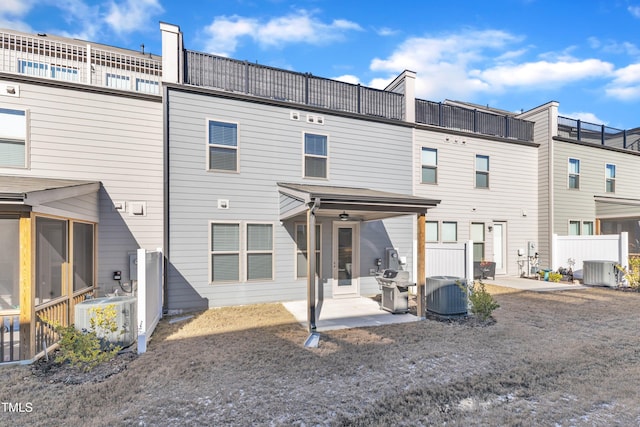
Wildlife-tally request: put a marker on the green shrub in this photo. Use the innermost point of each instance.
(482, 302)
(88, 349)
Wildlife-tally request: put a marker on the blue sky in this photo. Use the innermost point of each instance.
(508, 54)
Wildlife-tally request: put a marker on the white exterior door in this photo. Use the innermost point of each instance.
(500, 247)
(345, 259)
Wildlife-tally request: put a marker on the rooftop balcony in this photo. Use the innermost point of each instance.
(599, 134)
(205, 70)
(71, 60)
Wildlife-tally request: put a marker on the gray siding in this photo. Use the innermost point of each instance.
(542, 135)
(361, 153)
(117, 140)
(511, 197)
(572, 204)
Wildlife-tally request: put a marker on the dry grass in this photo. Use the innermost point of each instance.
(563, 358)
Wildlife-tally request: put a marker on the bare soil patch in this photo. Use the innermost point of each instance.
(565, 358)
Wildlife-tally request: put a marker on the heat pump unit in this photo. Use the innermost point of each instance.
(125, 307)
(445, 295)
(599, 273)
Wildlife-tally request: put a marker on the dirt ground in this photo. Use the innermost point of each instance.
(566, 358)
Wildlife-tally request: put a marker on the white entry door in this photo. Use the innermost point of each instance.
(345, 259)
(500, 247)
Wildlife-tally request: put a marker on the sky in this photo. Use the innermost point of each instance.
(509, 54)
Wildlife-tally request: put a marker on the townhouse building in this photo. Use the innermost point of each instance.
(80, 177)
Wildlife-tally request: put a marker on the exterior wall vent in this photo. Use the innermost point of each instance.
(294, 115)
(223, 204)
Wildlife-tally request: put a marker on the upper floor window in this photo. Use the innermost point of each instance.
(64, 73)
(13, 138)
(147, 86)
(429, 166)
(482, 171)
(222, 143)
(315, 156)
(574, 173)
(32, 68)
(610, 178)
(587, 228)
(118, 81)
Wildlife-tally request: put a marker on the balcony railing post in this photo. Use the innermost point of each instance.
(358, 99)
(306, 88)
(506, 127)
(624, 138)
(475, 120)
(440, 114)
(578, 124)
(602, 134)
(246, 76)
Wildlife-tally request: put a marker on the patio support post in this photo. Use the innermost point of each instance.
(421, 280)
(27, 290)
(311, 266)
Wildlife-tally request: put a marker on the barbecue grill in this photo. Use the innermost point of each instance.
(395, 290)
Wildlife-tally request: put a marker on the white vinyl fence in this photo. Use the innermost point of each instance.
(150, 271)
(450, 259)
(577, 249)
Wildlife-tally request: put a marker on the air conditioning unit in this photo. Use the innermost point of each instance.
(126, 307)
(599, 273)
(444, 295)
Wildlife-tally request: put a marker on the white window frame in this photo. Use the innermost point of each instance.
(243, 252)
(575, 174)
(574, 222)
(317, 156)
(437, 230)
(592, 225)
(71, 74)
(18, 138)
(248, 252)
(580, 227)
(300, 252)
(208, 145)
(143, 85)
(608, 179)
(28, 64)
(482, 242)
(433, 167)
(122, 81)
(455, 224)
(481, 172)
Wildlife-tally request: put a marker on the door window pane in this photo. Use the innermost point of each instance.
(345, 253)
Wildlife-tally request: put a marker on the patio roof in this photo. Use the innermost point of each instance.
(32, 191)
(358, 203)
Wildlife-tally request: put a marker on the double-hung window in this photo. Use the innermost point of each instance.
(610, 178)
(241, 252)
(301, 252)
(574, 173)
(477, 235)
(118, 81)
(222, 140)
(574, 228)
(13, 138)
(147, 86)
(482, 171)
(33, 68)
(429, 166)
(315, 156)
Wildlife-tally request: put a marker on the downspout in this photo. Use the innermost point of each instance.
(314, 337)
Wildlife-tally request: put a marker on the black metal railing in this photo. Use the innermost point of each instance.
(599, 134)
(471, 120)
(205, 70)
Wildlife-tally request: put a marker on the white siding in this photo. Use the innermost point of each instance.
(361, 153)
(512, 196)
(111, 138)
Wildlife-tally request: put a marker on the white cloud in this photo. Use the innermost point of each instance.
(348, 78)
(626, 84)
(544, 73)
(12, 13)
(224, 33)
(584, 116)
(129, 15)
(634, 10)
(385, 32)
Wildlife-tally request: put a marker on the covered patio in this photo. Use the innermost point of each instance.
(347, 207)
